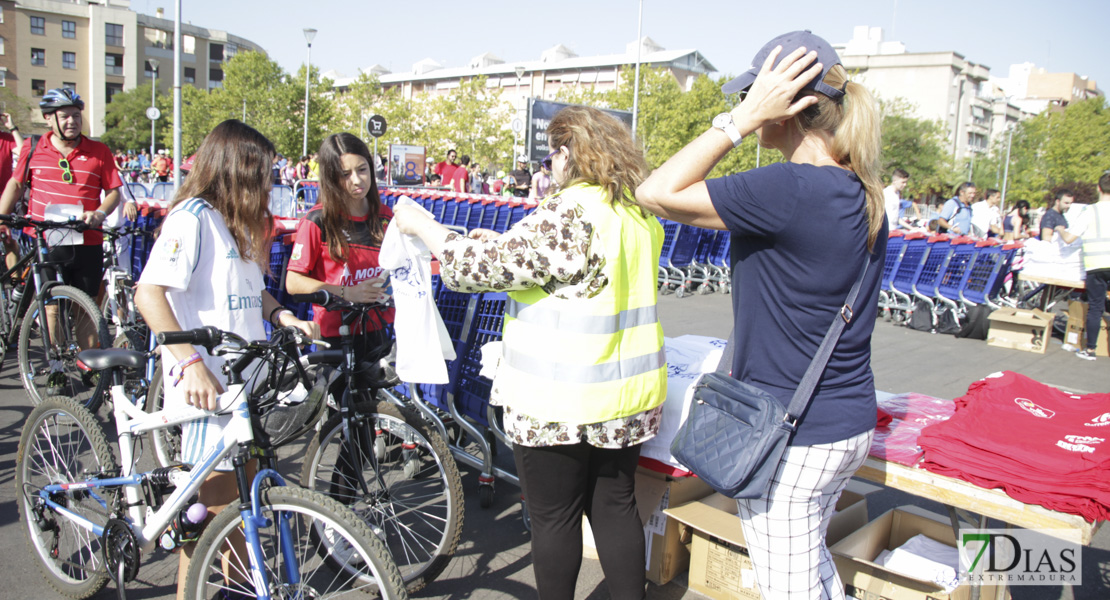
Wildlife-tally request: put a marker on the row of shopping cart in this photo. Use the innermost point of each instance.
(942, 272)
(465, 211)
(694, 259)
(461, 408)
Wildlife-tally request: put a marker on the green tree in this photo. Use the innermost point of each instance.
(471, 119)
(321, 114)
(125, 124)
(918, 146)
(197, 119)
(21, 111)
(1074, 147)
(1061, 147)
(361, 101)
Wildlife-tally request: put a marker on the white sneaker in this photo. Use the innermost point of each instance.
(1086, 354)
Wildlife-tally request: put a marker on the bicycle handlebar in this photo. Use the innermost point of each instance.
(319, 298)
(209, 337)
(331, 302)
(17, 221)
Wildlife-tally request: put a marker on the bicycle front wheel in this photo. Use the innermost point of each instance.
(414, 499)
(48, 367)
(62, 442)
(328, 554)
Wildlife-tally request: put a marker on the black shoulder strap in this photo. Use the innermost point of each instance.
(804, 392)
(30, 153)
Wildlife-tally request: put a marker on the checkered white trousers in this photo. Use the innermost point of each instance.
(785, 529)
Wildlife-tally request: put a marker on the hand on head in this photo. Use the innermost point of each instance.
(771, 98)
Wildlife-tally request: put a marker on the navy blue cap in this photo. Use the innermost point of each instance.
(790, 42)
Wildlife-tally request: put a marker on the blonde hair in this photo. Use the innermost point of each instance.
(854, 126)
(602, 152)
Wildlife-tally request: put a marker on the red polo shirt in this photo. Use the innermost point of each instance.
(7, 145)
(93, 168)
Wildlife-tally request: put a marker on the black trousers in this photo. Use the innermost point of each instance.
(560, 484)
(1097, 282)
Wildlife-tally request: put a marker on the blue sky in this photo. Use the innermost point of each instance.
(1066, 35)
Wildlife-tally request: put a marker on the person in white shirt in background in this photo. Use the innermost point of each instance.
(986, 215)
(892, 197)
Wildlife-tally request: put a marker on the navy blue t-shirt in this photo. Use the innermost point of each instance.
(799, 239)
(1051, 220)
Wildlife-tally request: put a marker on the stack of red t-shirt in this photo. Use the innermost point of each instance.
(1039, 444)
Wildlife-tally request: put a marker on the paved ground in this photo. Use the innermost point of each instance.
(494, 560)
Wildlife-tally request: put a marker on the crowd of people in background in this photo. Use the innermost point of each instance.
(968, 213)
(461, 174)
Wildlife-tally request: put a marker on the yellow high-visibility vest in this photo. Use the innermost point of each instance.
(1096, 241)
(589, 360)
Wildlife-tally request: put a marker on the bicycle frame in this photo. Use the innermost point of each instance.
(115, 276)
(131, 421)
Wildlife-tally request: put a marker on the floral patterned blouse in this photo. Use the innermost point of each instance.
(553, 248)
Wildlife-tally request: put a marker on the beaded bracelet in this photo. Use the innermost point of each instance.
(181, 366)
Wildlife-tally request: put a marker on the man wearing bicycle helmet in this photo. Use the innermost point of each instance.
(67, 168)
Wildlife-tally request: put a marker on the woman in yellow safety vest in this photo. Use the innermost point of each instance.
(583, 374)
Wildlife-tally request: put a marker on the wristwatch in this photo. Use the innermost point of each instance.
(724, 122)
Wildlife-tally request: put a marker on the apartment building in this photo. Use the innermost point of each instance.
(941, 85)
(556, 68)
(1035, 89)
(101, 48)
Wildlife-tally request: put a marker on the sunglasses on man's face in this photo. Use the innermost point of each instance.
(67, 175)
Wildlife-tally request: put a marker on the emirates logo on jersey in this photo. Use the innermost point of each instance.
(1102, 420)
(1035, 409)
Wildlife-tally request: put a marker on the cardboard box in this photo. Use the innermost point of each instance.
(666, 555)
(1076, 334)
(719, 563)
(866, 580)
(1020, 329)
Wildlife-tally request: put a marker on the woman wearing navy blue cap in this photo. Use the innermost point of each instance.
(801, 232)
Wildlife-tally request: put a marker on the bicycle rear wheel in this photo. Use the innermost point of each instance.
(62, 442)
(49, 367)
(333, 554)
(416, 505)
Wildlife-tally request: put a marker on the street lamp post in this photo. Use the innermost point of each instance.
(636, 86)
(308, 35)
(519, 73)
(153, 87)
(1006, 171)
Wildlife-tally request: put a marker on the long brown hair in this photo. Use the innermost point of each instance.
(333, 193)
(854, 126)
(602, 152)
(232, 173)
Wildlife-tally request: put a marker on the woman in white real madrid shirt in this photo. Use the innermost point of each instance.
(206, 270)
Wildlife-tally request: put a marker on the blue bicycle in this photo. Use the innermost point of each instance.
(90, 521)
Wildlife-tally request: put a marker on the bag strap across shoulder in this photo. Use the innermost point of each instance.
(804, 393)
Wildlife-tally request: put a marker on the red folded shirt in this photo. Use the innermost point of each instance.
(1039, 444)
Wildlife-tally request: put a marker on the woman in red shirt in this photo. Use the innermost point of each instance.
(338, 241)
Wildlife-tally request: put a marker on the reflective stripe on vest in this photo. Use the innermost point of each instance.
(589, 360)
(614, 371)
(538, 315)
(1096, 242)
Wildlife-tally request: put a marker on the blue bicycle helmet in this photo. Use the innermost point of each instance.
(60, 98)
